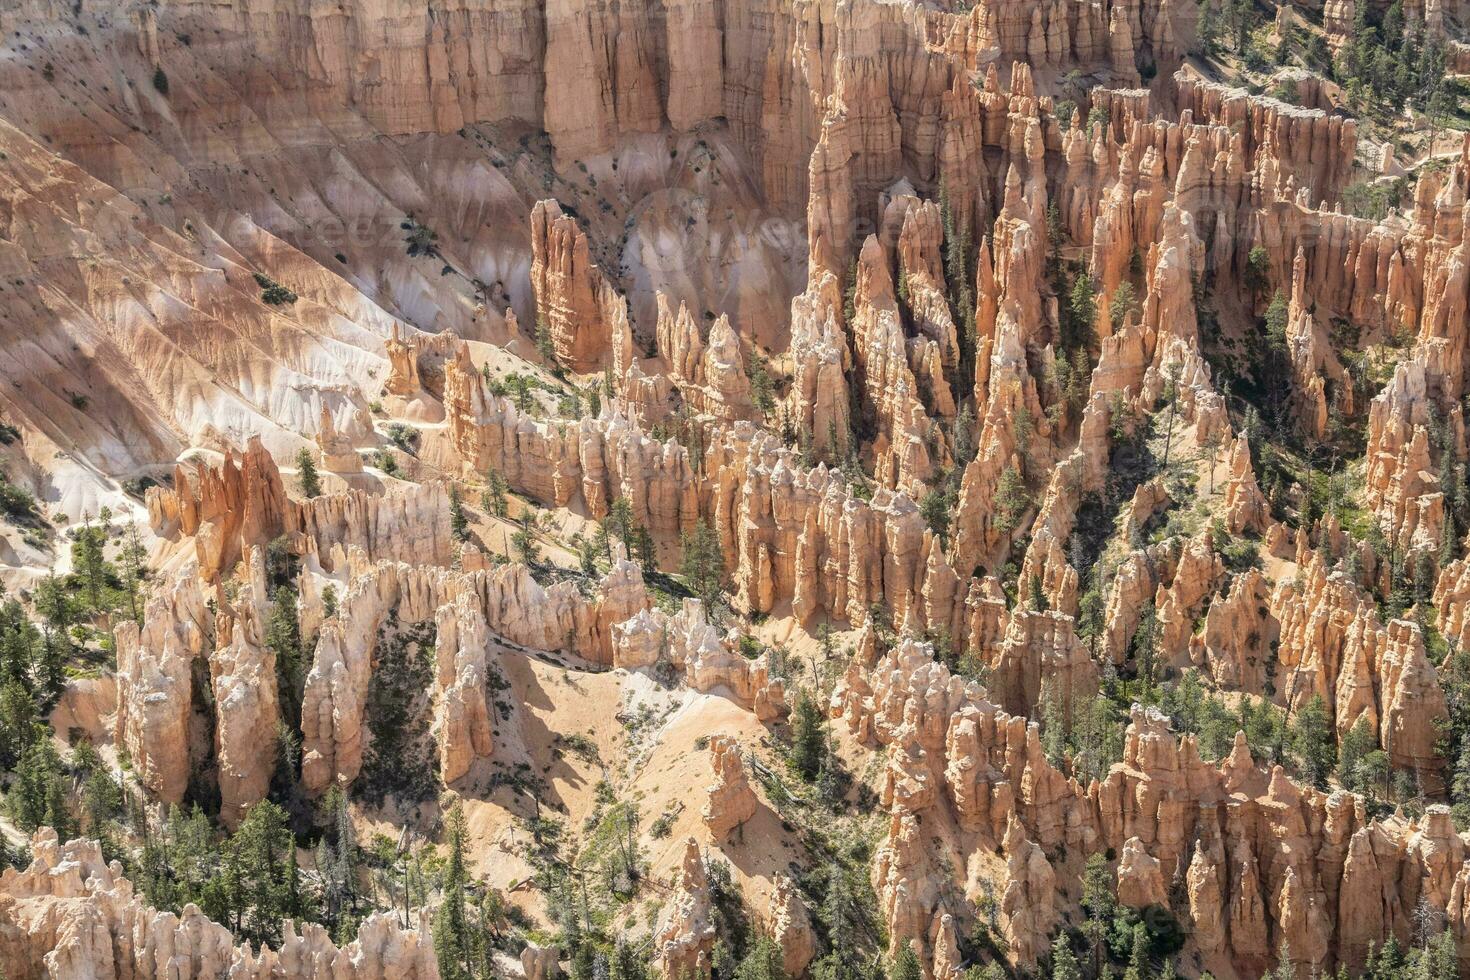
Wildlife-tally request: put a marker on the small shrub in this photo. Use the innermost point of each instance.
(273, 293)
(405, 437)
(663, 826)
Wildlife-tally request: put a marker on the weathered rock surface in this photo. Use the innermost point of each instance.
(791, 927)
(574, 302)
(685, 935)
(729, 800)
(709, 372)
(70, 914)
(933, 436)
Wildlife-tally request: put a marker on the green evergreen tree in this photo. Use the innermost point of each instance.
(18, 722)
(703, 563)
(964, 436)
(934, 508)
(808, 737)
(544, 344)
(619, 520)
(283, 639)
(494, 500)
(523, 543)
(1258, 270)
(1099, 903)
(906, 965)
(1082, 310)
(452, 939)
(311, 481)
(1123, 305)
(1138, 956)
(1312, 742)
(101, 797)
(58, 616)
(761, 962)
(1011, 500)
(641, 548)
(1426, 569)
(459, 524)
(1038, 595)
(1064, 964)
(88, 557)
(1277, 359)
(134, 571)
(37, 795)
(259, 881)
(1207, 36)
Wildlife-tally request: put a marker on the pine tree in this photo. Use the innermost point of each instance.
(283, 639)
(523, 543)
(761, 962)
(1356, 744)
(1277, 372)
(311, 482)
(58, 616)
(459, 524)
(1425, 570)
(1258, 270)
(493, 500)
(544, 344)
(88, 557)
(336, 864)
(18, 722)
(964, 436)
(1208, 34)
(587, 552)
(1011, 500)
(37, 794)
(934, 509)
(1098, 906)
(101, 797)
(1123, 304)
(906, 965)
(808, 737)
(1145, 646)
(641, 548)
(1138, 956)
(452, 940)
(1038, 595)
(1312, 741)
(703, 563)
(1053, 730)
(1082, 313)
(619, 520)
(1063, 962)
(133, 573)
(1439, 960)
(260, 884)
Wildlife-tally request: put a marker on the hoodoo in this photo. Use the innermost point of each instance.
(734, 489)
